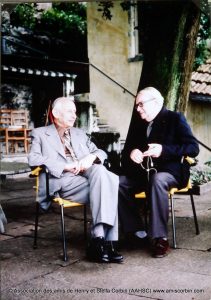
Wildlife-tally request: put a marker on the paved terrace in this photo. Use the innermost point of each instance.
(41, 274)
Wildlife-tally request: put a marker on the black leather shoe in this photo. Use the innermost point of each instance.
(161, 248)
(97, 251)
(113, 255)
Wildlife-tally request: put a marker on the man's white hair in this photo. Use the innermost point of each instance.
(152, 93)
(57, 104)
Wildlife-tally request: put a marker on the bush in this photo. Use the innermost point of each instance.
(201, 173)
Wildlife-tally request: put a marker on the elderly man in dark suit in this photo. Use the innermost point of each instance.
(77, 173)
(153, 160)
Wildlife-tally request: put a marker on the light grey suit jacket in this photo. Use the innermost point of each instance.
(47, 149)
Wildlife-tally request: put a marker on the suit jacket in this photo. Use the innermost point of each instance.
(170, 129)
(47, 149)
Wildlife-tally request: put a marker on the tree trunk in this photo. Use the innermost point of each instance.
(169, 32)
(188, 54)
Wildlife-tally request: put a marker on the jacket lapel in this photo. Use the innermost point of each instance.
(54, 139)
(75, 141)
(159, 126)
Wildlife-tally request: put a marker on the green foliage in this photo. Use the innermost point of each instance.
(62, 23)
(200, 177)
(202, 53)
(208, 163)
(201, 174)
(105, 7)
(23, 15)
(62, 19)
(202, 50)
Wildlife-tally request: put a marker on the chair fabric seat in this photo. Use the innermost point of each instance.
(141, 195)
(172, 191)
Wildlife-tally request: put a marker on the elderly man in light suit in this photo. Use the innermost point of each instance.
(77, 173)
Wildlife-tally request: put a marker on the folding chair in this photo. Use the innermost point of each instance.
(59, 201)
(174, 190)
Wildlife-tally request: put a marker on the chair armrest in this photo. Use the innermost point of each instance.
(36, 170)
(192, 161)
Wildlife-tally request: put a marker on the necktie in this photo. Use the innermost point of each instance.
(149, 128)
(68, 145)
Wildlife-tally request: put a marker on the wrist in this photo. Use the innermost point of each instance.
(93, 157)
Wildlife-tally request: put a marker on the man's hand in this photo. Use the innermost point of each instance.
(86, 162)
(72, 167)
(154, 150)
(80, 166)
(137, 156)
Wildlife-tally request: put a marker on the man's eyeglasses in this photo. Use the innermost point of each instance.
(141, 104)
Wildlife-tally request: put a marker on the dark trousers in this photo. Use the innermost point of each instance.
(157, 194)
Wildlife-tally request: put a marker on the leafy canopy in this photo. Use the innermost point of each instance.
(62, 19)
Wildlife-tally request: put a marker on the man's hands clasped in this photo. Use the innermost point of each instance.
(80, 166)
(154, 150)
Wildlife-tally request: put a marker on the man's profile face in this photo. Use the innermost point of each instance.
(67, 114)
(145, 106)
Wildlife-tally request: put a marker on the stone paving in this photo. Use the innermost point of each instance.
(41, 274)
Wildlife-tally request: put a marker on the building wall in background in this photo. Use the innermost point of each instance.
(199, 118)
(108, 48)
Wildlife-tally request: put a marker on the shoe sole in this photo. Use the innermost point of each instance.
(116, 261)
(94, 259)
(98, 261)
(161, 255)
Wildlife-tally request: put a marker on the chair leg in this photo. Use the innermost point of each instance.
(63, 234)
(6, 142)
(85, 222)
(173, 222)
(194, 214)
(36, 225)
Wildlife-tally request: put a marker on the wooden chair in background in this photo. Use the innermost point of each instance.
(5, 117)
(14, 128)
(5, 122)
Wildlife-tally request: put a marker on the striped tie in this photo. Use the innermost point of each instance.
(68, 145)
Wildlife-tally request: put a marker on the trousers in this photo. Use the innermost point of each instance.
(157, 195)
(98, 187)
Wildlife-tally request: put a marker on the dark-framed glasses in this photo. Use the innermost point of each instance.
(141, 104)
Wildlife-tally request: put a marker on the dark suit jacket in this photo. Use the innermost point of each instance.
(170, 129)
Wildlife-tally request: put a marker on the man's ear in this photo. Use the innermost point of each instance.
(55, 113)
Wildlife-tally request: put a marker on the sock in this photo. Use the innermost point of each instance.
(141, 234)
(98, 231)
